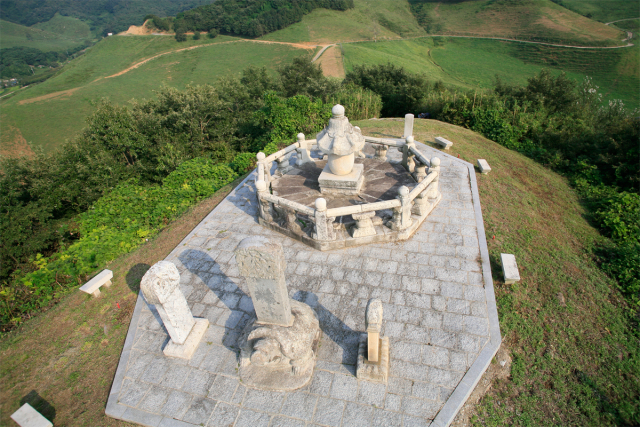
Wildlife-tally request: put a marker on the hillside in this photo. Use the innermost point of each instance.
(62, 103)
(45, 36)
(541, 20)
(562, 324)
(603, 10)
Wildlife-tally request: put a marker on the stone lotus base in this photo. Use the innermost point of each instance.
(186, 350)
(376, 372)
(349, 184)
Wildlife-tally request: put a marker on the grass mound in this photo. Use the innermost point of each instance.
(576, 359)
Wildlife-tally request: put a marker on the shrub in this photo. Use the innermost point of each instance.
(359, 103)
(244, 162)
(196, 35)
(213, 33)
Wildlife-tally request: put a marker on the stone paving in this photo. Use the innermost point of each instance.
(439, 313)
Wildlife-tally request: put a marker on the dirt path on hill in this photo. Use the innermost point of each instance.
(144, 61)
(48, 96)
(331, 62)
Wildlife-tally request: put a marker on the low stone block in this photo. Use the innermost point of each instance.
(483, 166)
(186, 350)
(348, 184)
(26, 416)
(444, 143)
(373, 371)
(93, 285)
(509, 269)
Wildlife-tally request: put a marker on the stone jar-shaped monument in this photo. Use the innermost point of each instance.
(278, 348)
(160, 286)
(340, 141)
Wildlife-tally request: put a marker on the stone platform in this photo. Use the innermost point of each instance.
(439, 314)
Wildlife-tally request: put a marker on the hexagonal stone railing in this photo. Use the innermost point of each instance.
(317, 228)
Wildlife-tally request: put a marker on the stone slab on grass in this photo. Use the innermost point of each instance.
(93, 286)
(26, 416)
(509, 269)
(439, 314)
(444, 143)
(483, 166)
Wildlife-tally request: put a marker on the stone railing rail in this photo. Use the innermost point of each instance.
(414, 201)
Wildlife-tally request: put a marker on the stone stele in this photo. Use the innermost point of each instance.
(274, 355)
(160, 286)
(373, 351)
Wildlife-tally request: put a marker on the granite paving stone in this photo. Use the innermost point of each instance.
(435, 314)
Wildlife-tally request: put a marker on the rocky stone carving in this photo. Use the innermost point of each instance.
(160, 286)
(278, 348)
(373, 352)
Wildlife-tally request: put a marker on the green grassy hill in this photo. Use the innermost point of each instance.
(474, 63)
(564, 324)
(45, 36)
(541, 20)
(61, 104)
(604, 10)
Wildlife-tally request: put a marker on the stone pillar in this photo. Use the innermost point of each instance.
(324, 224)
(284, 163)
(408, 125)
(407, 156)
(303, 151)
(267, 166)
(160, 286)
(420, 173)
(381, 151)
(262, 264)
(402, 215)
(266, 209)
(364, 225)
(373, 351)
(433, 190)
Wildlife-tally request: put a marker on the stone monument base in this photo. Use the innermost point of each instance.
(373, 371)
(342, 184)
(274, 357)
(186, 350)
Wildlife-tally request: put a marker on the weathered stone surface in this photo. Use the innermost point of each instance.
(262, 264)
(364, 224)
(161, 287)
(483, 166)
(509, 268)
(277, 357)
(26, 416)
(101, 279)
(408, 125)
(186, 350)
(340, 141)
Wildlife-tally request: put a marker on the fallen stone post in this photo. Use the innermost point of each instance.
(483, 166)
(509, 269)
(26, 416)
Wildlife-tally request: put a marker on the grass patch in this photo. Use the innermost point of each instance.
(61, 104)
(576, 356)
(68, 356)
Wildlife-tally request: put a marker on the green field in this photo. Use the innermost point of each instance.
(472, 63)
(540, 20)
(604, 10)
(59, 33)
(56, 109)
(382, 19)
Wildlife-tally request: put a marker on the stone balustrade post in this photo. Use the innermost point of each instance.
(283, 164)
(303, 150)
(323, 224)
(421, 173)
(407, 156)
(364, 224)
(266, 165)
(408, 125)
(402, 215)
(433, 190)
(266, 208)
(381, 151)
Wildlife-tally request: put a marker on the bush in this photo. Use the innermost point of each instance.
(196, 35)
(181, 36)
(213, 33)
(116, 224)
(244, 162)
(359, 103)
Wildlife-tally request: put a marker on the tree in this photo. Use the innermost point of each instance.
(181, 36)
(196, 35)
(213, 33)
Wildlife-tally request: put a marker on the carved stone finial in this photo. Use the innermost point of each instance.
(373, 316)
(260, 156)
(373, 352)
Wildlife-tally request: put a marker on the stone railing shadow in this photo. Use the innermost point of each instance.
(228, 296)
